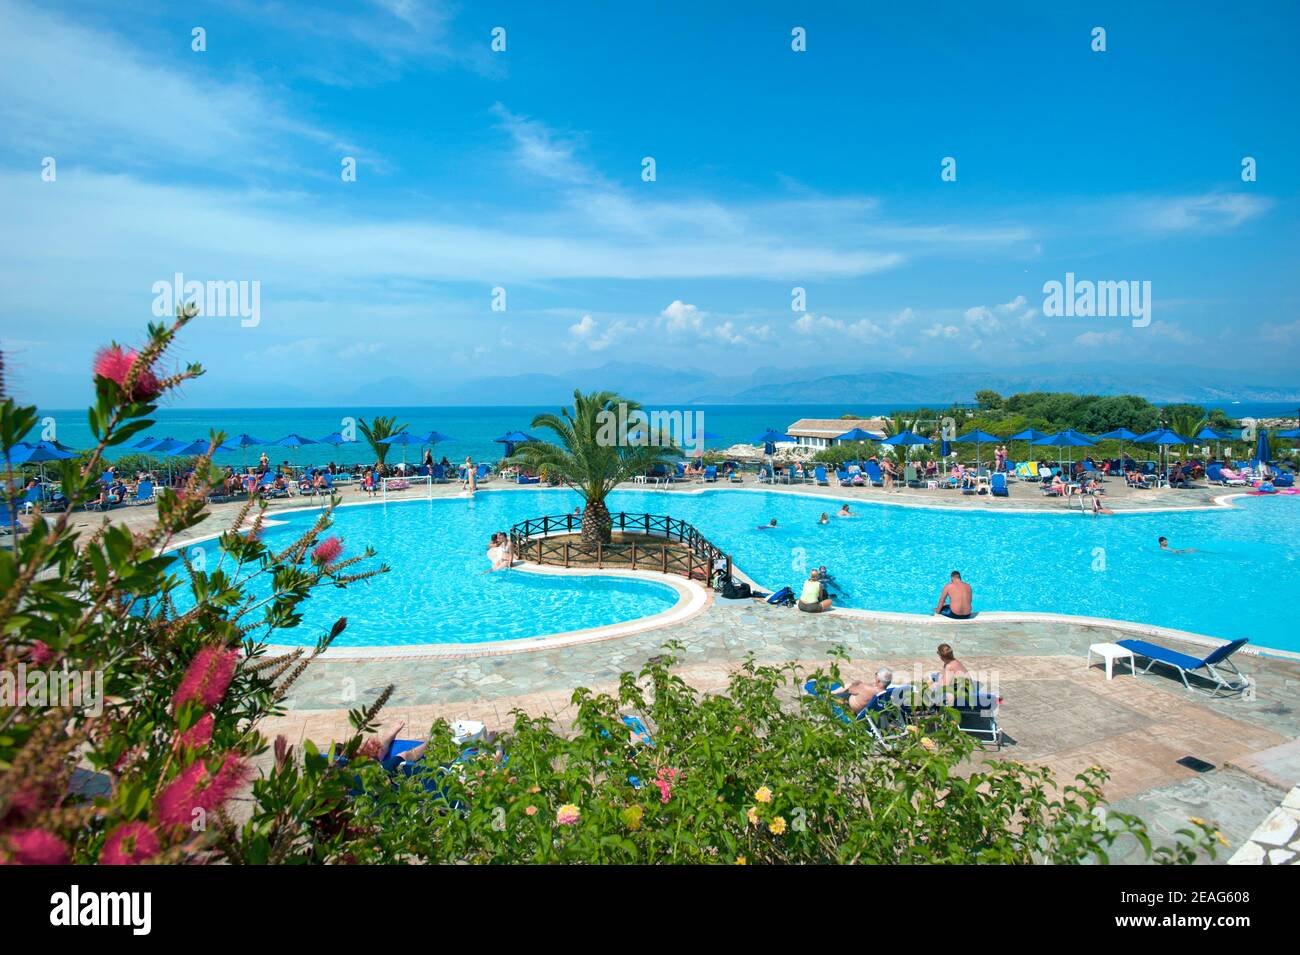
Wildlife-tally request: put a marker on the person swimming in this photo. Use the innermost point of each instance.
(768, 526)
(844, 512)
(824, 519)
(1164, 545)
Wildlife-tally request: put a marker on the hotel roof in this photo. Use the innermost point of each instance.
(834, 427)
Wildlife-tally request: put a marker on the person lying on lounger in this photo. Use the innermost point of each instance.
(860, 694)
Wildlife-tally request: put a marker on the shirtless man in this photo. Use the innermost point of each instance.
(1164, 545)
(957, 595)
(860, 694)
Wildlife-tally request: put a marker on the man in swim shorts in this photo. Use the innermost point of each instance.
(1164, 545)
(813, 598)
(957, 595)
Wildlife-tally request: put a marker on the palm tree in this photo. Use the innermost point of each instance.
(590, 456)
(378, 429)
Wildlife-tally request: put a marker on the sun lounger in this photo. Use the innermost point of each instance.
(875, 716)
(711, 474)
(872, 470)
(1233, 682)
(998, 485)
(819, 475)
(1216, 474)
(143, 493)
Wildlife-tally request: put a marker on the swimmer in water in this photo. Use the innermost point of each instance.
(770, 525)
(1164, 545)
(824, 519)
(844, 512)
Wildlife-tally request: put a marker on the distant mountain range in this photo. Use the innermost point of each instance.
(653, 384)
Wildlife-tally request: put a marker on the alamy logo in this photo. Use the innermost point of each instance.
(41, 688)
(637, 428)
(1087, 299)
(75, 907)
(242, 299)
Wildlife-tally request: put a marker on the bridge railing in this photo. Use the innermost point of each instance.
(547, 540)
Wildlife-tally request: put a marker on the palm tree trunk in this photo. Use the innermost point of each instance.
(597, 528)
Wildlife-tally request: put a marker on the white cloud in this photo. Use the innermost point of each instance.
(1210, 211)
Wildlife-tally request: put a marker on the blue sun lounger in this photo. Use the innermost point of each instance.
(1234, 682)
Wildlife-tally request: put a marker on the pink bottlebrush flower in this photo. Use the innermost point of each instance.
(664, 780)
(282, 751)
(25, 802)
(198, 735)
(32, 847)
(327, 551)
(115, 364)
(198, 788)
(208, 677)
(129, 844)
(39, 653)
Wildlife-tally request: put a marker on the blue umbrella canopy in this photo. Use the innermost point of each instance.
(335, 439)
(294, 441)
(246, 441)
(978, 436)
(143, 444)
(433, 437)
(1029, 434)
(514, 437)
(200, 446)
(166, 446)
(39, 453)
(1262, 450)
(906, 439)
(859, 434)
(771, 437)
(1209, 434)
(1162, 436)
(1118, 434)
(1065, 439)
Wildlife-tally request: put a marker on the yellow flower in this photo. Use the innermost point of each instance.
(776, 826)
(741, 860)
(763, 794)
(928, 744)
(632, 816)
(1196, 820)
(752, 814)
(1222, 841)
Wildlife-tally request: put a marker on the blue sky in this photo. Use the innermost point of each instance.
(522, 170)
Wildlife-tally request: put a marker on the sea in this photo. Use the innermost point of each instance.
(472, 430)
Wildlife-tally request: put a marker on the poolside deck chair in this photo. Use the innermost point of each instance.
(483, 474)
(911, 477)
(998, 485)
(819, 475)
(1233, 682)
(143, 493)
(9, 523)
(872, 471)
(845, 478)
(735, 476)
(883, 722)
(1214, 474)
(711, 474)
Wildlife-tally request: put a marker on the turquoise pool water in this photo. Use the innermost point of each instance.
(1243, 579)
(437, 592)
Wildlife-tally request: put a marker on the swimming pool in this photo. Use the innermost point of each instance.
(437, 591)
(1241, 581)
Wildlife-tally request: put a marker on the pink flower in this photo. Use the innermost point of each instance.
(327, 551)
(208, 677)
(198, 735)
(40, 652)
(129, 844)
(530, 810)
(32, 847)
(197, 788)
(115, 363)
(568, 815)
(664, 780)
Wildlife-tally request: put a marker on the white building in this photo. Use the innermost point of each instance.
(824, 432)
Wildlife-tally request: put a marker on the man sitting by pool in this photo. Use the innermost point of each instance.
(814, 598)
(957, 595)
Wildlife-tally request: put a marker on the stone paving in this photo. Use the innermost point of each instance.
(1277, 840)
(1058, 711)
